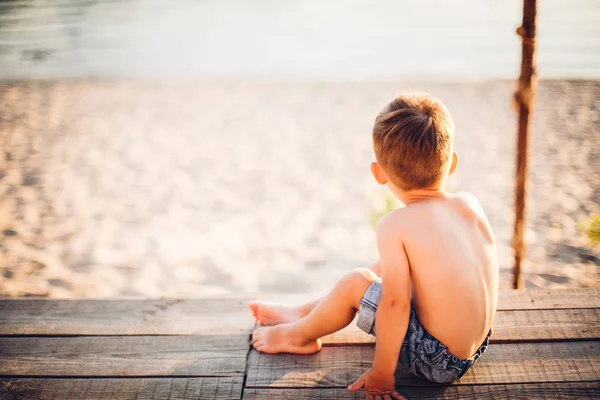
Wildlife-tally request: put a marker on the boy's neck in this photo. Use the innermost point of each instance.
(419, 195)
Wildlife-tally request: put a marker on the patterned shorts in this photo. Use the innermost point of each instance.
(421, 353)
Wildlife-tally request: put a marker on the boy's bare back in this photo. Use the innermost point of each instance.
(453, 268)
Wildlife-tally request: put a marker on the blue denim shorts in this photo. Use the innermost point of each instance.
(421, 353)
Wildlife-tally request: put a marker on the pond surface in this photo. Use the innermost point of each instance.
(301, 40)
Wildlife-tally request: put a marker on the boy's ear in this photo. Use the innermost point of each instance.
(378, 173)
(454, 163)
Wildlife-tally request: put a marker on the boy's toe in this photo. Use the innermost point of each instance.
(256, 335)
(253, 306)
(259, 345)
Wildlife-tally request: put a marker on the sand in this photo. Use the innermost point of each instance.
(191, 188)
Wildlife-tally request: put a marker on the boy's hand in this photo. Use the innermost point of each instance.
(377, 386)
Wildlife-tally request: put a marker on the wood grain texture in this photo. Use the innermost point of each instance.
(512, 326)
(502, 363)
(223, 388)
(540, 325)
(205, 355)
(565, 298)
(205, 316)
(124, 317)
(530, 299)
(576, 390)
(543, 299)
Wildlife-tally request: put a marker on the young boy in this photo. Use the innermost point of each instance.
(431, 298)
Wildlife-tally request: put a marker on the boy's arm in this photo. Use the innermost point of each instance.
(391, 321)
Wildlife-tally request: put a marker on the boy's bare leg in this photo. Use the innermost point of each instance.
(269, 313)
(332, 313)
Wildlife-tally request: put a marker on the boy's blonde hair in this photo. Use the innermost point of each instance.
(412, 138)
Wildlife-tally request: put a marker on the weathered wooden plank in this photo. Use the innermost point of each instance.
(124, 317)
(208, 316)
(513, 326)
(206, 355)
(534, 325)
(503, 363)
(565, 298)
(225, 388)
(542, 299)
(530, 299)
(562, 390)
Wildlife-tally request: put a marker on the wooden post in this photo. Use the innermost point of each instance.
(524, 96)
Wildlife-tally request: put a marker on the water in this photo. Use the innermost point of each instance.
(302, 40)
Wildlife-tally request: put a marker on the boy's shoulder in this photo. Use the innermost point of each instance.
(403, 217)
(467, 196)
(394, 221)
(470, 201)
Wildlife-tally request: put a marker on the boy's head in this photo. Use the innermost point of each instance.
(412, 139)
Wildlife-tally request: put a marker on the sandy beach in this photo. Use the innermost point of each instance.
(191, 188)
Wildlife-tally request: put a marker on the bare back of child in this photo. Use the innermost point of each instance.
(453, 267)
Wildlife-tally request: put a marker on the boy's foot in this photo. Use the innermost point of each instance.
(281, 339)
(268, 313)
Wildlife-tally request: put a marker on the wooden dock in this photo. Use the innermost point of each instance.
(546, 343)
